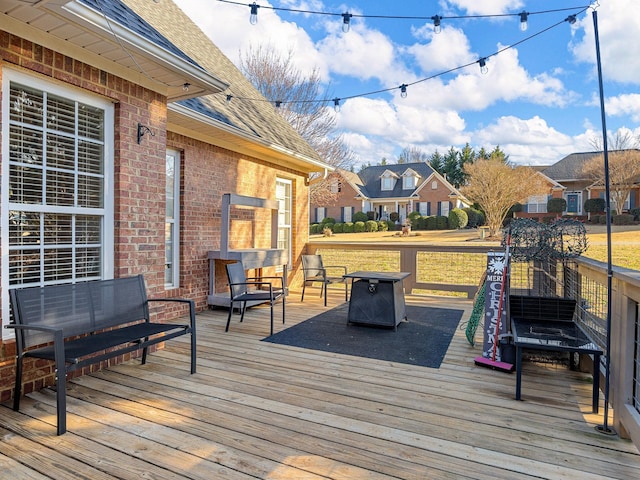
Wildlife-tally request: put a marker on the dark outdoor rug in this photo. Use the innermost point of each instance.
(422, 340)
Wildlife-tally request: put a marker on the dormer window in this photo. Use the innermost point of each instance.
(409, 179)
(387, 180)
(409, 183)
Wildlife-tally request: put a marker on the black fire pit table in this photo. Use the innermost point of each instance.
(377, 298)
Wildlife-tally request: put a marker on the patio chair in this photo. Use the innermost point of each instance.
(253, 290)
(315, 271)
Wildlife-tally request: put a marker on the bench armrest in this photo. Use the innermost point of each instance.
(192, 307)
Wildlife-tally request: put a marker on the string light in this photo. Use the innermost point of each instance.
(483, 66)
(436, 23)
(185, 86)
(482, 62)
(253, 18)
(346, 21)
(523, 21)
(229, 97)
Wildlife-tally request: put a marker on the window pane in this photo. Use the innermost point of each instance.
(25, 145)
(26, 105)
(24, 266)
(24, 228)
(58, 264)
(60, 152)
(88, 261)
(88, 229)
(90, 122)
(60, 188)
(25, 185)
(168, 249)
(61, 115)
(90, 157)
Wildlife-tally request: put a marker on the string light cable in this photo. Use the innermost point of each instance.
(482, 61)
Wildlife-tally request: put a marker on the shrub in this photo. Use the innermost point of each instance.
(338, 227)
(371, 215)
(314, 229)
(348, 227)
(595, 218)
(327, 220)
(594, 205)
(603, 219)
(548, 220)
(414, 218)
(382, 226)
(458, 219)
(624, 219)
(556, 205)
(371, 226)
(358, 227)
(394, 216)
(430, 223)
(475, 217)
(391, 226)
(360, 217)
(442, 222)
(636, 213)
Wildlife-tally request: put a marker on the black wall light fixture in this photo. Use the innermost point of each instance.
(142, 129)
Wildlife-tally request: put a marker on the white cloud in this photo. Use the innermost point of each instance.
(626, 104)
(487, 7)
(443, 51)
(618, 27)
(228, 27)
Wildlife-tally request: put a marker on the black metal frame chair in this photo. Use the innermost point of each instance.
(253, 290)
(314, 271)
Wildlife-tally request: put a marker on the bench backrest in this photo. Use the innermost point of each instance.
(79, 308)
(541, 308)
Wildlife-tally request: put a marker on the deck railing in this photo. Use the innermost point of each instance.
(458, 270)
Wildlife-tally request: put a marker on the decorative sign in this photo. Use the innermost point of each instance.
(496, 277)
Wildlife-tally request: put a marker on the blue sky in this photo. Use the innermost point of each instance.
(538, 101)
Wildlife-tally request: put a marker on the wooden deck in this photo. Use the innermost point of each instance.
(260, 410)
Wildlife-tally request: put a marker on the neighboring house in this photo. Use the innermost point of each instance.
(567, 180)
(383, 189)
(123, 126)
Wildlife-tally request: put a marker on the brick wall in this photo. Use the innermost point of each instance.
(207, 172)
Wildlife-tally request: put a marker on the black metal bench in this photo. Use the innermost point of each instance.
(541, 323)
(76, 325)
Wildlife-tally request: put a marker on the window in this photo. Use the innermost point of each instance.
(537, 204)
(424, 208)
(284, 197)
(172, 222)
(56, 207)
(434, 185)
(336, 186)
(321, 213)
(409, 182)
(387, 183)
(347, 214)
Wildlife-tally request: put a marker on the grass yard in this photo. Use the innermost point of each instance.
(625, 241)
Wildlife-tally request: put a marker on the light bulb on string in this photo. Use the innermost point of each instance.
(524, 24)
(253, 18)
(403, 90)
(229, 97)
(346, 22)
(278, 103)
(336, 104)
(483, 66)
(436, 23)
(571, 19)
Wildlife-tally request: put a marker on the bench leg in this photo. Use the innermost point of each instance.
(17, 391)
(61, 386)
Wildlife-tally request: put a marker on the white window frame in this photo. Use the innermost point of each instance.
(285, 216)
(172, 224)
(106, 213)
(387, 183)
(409, 182)
(537, 204)
(321, 214)
(348, 214)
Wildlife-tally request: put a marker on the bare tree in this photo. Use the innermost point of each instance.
(496, 186)
(624, 174)
(276, 77)
(413, 155)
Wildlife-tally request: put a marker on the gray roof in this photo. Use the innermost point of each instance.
(257, 119)
(570, 167)
(370, 177)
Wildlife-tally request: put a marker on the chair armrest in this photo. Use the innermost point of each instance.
(192, 307)
(341, 267)
(281, 279)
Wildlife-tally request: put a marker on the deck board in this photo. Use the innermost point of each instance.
(262, 410)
